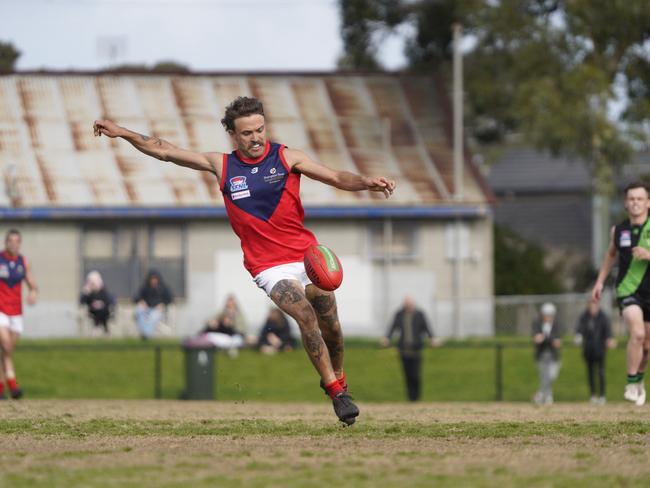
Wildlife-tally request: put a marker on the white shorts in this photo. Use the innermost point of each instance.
(268, 278)
(13, 322)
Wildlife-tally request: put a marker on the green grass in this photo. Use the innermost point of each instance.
(179, 444)
(456, 372)
(368, 429)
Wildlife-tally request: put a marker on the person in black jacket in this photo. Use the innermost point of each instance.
(546, 337)
(99, 301)
(152, 300)
(594, 333)
(412, 326)
(275, 335)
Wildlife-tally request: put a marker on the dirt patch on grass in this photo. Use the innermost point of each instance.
(270, 458)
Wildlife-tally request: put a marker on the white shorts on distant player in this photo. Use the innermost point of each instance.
(12, 322)
(268, 278)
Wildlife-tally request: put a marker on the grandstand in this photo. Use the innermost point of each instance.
(94, 203)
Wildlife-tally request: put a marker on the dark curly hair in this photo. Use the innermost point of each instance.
(241, 107)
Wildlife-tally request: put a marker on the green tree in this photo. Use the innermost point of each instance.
(519, 267)
(547, 71)
(159, 67)
(8, 57)
(170, 67)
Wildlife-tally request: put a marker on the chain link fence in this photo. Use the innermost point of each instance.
(514, 314)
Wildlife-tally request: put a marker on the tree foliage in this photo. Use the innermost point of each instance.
(167, 67)
(519, 267)
(547, 71)
(8, 57)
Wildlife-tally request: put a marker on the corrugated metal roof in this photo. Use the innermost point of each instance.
(374, 125)
(527, 170)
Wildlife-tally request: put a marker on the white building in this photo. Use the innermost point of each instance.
(86, 203)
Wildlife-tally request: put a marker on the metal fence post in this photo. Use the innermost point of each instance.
(498, 371)
(157, 373)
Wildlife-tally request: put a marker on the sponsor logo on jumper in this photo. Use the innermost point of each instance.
(254, 170)
(238, 183)
(274, 178)
(240, 194)
(20, 269)
(626, 239)
(4, 271)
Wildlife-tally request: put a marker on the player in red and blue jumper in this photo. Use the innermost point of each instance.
(13, 271)
(260, 183)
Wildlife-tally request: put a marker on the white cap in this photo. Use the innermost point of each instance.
(548, 309)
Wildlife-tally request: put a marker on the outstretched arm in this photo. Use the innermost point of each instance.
(343, 180)
(161, 149)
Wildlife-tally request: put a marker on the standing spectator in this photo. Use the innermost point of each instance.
(412, 326)
(546, 336)
(276, 335)
(99, 301)
(151, 304)
(594, 333)
(13, 271)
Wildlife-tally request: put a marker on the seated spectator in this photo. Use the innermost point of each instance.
(276, 335)
(152, 301)
(232, 310)
(221, 332)
(99, 301)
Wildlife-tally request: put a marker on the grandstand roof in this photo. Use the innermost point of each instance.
(372, 124)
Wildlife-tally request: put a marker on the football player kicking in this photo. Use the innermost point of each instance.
(260, 183)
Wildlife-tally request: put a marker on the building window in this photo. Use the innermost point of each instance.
(123, 254)
(402, 236)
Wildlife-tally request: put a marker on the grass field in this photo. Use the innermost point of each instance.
(456, 372)
(98, 443)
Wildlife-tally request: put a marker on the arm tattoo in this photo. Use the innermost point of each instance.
(157, 141)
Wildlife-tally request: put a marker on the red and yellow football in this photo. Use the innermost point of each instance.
(323, 267)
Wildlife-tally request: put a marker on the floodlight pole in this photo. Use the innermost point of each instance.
(458, 175)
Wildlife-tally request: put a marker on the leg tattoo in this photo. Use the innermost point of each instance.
(314, 344)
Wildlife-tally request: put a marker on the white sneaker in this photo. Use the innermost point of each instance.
(640, 401)
(593, 400)
(602, 400)
(631, 392)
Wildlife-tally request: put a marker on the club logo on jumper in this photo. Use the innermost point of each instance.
(254, 170)
(238, 183)
(273, 170)
(626, 239)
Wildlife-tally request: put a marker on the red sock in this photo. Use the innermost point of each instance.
(2, 389)
(334, 388)
(342, 381)
(11, 383)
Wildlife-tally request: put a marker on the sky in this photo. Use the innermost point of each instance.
(206, 35)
